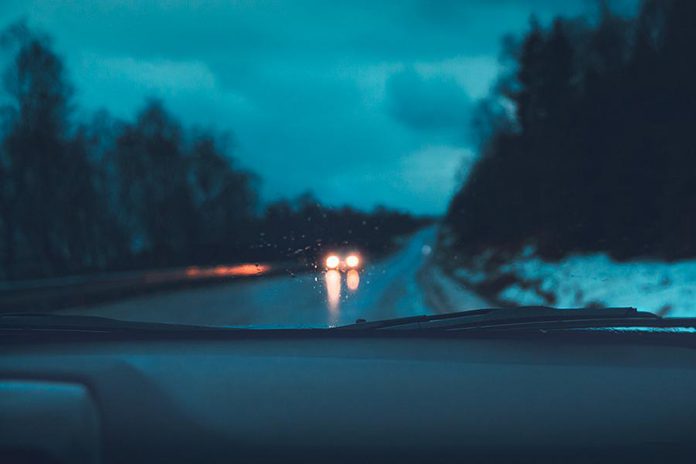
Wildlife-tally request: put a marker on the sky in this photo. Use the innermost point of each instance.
(364, 102)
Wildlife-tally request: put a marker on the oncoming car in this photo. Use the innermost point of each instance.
(343, 261)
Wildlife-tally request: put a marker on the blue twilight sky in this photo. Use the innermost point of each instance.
(363, 102)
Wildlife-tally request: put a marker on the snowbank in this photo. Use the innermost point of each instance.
(595, 280)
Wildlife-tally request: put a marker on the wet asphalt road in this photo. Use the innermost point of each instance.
(394, 287)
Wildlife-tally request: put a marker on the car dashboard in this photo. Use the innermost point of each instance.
(314, 397)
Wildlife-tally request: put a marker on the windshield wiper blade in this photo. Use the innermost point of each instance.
(525, 318)
(76, 323)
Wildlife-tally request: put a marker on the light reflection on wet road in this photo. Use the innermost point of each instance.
(353, 280)
(334, 290)
(385, 289)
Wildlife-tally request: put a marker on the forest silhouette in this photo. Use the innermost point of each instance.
(107, 194)
(587, 142)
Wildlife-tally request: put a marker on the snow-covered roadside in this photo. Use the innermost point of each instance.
(444, 294)
(591, 280)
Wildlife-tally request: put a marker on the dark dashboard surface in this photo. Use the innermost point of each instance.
(348, 399)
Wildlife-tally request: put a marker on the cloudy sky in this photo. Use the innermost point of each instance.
(363, 102)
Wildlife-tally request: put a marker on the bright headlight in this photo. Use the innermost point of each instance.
(332, 262)
(352, 261)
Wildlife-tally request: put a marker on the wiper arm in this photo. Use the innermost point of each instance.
(72, 323)
(525, 318)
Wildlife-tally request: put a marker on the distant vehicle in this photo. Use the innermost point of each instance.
(343, 261)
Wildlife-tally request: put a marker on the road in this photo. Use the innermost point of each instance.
(404, 284)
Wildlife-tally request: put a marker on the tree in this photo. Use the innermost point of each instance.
(224, 198)
(599, 155)
(47, 197)
(154, 197)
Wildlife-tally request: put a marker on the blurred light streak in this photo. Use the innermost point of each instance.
(353, 280)
(237, 270)
(333, 289)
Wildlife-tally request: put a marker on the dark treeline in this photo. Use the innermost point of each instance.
(109, 194)
(305, 228)
(589, 143)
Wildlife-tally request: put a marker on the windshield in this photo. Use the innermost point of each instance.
(309, 164)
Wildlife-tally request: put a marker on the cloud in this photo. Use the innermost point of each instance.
(424, 178)
(474, 73)
(160, 74)
(435, 103)
(121, 84)
(433, 173)
(362, 102)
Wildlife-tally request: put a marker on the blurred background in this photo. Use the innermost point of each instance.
(470, 153)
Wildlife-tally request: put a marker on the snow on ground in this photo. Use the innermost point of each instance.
(596, 280)
(444, 294)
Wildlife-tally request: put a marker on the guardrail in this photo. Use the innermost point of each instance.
(64, 292)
